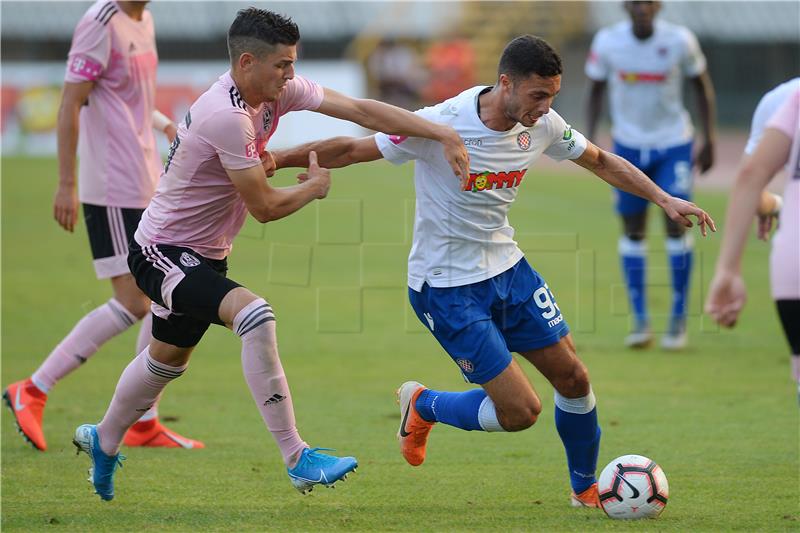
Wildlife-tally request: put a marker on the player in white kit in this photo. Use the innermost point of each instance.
(779, 147)
(643, 63)
(213, 178)
(469, 282)
(109, 96)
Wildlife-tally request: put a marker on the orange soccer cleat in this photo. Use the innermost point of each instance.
(154, 434)
(413, 432)
(587, 498)
(27, 403)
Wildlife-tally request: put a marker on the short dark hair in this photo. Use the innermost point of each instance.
(257, 31)
(527, 55)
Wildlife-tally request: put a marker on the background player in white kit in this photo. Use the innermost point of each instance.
(779, 147)
(213, 178)
(468, 280)
(110, 84)
(643, 62)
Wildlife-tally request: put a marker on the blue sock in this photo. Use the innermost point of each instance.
(580, 434)
(680, 261)
(633, 255)
(459, 409)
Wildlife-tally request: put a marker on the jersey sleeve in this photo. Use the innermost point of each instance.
(233, 137)
(399, 149)
(787, 117)
(300, 94)
(565, 142)
(90, 51)
(694, 62)
(596, 65)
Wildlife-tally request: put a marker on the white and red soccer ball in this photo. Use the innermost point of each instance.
(633, 487)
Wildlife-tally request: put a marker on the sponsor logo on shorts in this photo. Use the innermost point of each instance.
(524, 140)
(466, 365)
(429, 318)
(188, 260)
(556, 321)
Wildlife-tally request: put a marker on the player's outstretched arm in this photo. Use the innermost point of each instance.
(335, 152)
(267, 203)
(164, 124)
(623, 175)
(727, 294)
(65, 203)
(395, 121)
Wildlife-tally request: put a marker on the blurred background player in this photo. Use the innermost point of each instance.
(395, 70)
(110, 84)
(213, 177)
(468, 281)
(779, 147)
(644, 61)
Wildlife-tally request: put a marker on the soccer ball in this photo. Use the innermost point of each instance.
(632, 487)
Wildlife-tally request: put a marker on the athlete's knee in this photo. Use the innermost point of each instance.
(520, 417)
(138, 305)
(634, 226)
(255, 320)
(674, 230)
(575, 382)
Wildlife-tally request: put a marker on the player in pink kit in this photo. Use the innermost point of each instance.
(779, 146)
(110, 84)
(213, 178)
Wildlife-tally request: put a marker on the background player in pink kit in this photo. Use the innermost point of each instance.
(643, 63)
(110, 84)
(779, 147)
(469, 282)
(213, 178)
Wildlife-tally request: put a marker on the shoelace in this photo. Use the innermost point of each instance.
(313, 455)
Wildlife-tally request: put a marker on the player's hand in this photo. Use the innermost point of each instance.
(65, 207)
(765, 224)
(171, 131)
(680, 210)
(268, 162)
(704, 157)
(726, 298)
(321, 176)
(456, 154)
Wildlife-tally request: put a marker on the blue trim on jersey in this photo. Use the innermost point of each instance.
(670, 168)
(481, 323)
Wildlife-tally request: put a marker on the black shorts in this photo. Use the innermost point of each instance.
(110, 231)
(789, 312)
(185, 287)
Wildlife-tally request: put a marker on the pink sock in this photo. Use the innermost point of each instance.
(138, 388)
(88, 335)
(263, 371)
(142, 342)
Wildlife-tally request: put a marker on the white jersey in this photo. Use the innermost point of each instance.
(645, 80)
(767, 106)
(462, 234)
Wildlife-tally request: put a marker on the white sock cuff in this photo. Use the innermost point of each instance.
(629, 247)
(160, 369)
(125, 317)
(487, 416)
(680, 245)
(251, 316)
(39, 384)
(578, 406)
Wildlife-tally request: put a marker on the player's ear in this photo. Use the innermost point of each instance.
(246, 60)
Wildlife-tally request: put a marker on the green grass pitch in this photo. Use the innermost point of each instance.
(721, 418)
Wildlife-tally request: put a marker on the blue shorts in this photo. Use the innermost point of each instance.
(669, 168)
(481, 323)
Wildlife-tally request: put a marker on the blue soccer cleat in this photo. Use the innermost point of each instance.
(101, 474)
(314, 468)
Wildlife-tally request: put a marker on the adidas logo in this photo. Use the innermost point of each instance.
(275, 398)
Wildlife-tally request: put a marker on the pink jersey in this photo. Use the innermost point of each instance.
(196, 205)
(119, 163)
(785, 257)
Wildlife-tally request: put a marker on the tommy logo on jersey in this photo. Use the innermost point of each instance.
(494, 180)
(642, 77)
